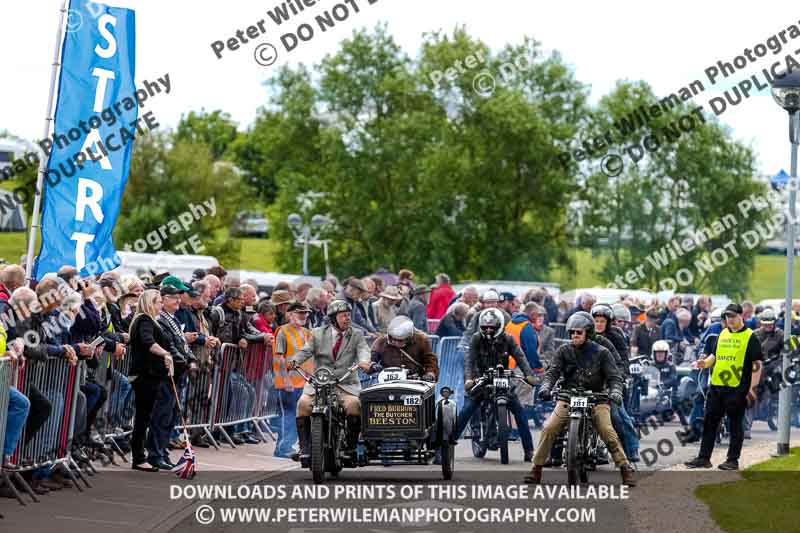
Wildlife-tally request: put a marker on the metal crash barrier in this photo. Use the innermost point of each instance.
(238, 387)
(451, 368)
(7, 371)
(197, 400)
(59, 383)
(559, 330)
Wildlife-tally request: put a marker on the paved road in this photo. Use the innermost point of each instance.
(125, 501)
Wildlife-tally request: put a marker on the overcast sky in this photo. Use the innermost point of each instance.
(666, 44)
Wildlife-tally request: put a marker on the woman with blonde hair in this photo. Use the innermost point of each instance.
(151, 365)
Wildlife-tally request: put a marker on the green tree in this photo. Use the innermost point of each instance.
(216, 130)
(164, 180)
(284, 140)
(425, 177)
(685, 185)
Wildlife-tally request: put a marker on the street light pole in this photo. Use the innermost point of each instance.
(306, 238)
(786, 92)
(785, 396)
(303, 236)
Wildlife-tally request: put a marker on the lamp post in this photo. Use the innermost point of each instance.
(306, 235)
(786, 92)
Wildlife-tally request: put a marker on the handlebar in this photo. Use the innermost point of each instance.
(593, 396)
(312, 379)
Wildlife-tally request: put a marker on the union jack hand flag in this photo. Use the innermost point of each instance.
(185, 467)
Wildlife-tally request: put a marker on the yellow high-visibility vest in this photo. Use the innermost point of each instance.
(729, 356)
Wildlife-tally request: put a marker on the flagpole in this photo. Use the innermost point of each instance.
(37, 200)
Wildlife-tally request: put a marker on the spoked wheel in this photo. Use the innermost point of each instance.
(502, 433)
(575, 467)
(317, 449)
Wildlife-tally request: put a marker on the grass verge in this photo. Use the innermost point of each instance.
(765, 500)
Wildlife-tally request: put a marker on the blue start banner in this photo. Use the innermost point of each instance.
(90, 149)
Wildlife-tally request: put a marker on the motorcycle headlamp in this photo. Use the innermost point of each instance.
(324, 375)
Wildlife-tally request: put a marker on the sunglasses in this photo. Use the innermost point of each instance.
(575, 332)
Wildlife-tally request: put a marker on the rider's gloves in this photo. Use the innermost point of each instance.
(429, 376)
(545, 395)
(374, 368)
(531, 380)
(616, 397)
(291, 364)
(469, 384)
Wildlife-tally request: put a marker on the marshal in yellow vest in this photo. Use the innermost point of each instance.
(730, 355)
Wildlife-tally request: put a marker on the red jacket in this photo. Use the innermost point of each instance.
(4, 294)
(440, 297)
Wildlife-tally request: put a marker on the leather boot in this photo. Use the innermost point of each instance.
(535, 475)
(304, 440)
(627, 472)
(353, 431)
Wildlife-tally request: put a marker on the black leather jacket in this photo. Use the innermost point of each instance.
(483, 355)
(590, 366)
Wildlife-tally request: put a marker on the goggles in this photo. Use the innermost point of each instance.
(575, 332)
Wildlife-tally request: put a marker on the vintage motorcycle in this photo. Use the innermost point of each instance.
(493, 428)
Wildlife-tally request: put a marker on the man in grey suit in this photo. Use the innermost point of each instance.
(337, 346)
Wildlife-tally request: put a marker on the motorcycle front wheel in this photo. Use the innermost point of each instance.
(502, 433)
(574, 444)
(318, 449)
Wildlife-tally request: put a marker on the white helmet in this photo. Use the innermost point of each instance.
(491, 323)
(660, 346)
(716, 315)
(400, 330)
(767, 316)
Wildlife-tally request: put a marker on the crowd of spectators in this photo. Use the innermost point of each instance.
(172, 329)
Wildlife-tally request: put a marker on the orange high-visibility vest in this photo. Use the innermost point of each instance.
(295, 339)
(515, 330)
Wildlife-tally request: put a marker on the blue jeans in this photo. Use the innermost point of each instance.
(698, 406)
(471, 406)
(287, 432)
(623, 425)
(18, 408)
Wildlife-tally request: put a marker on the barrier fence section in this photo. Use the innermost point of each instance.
(257, 372)
(197, 397)
(560, 330)
(451, 368)
(59, 382)
(238, 382)
(434, 343)
(6, 370)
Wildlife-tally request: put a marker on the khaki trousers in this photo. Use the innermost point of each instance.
(560, 418)
(350, 402)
